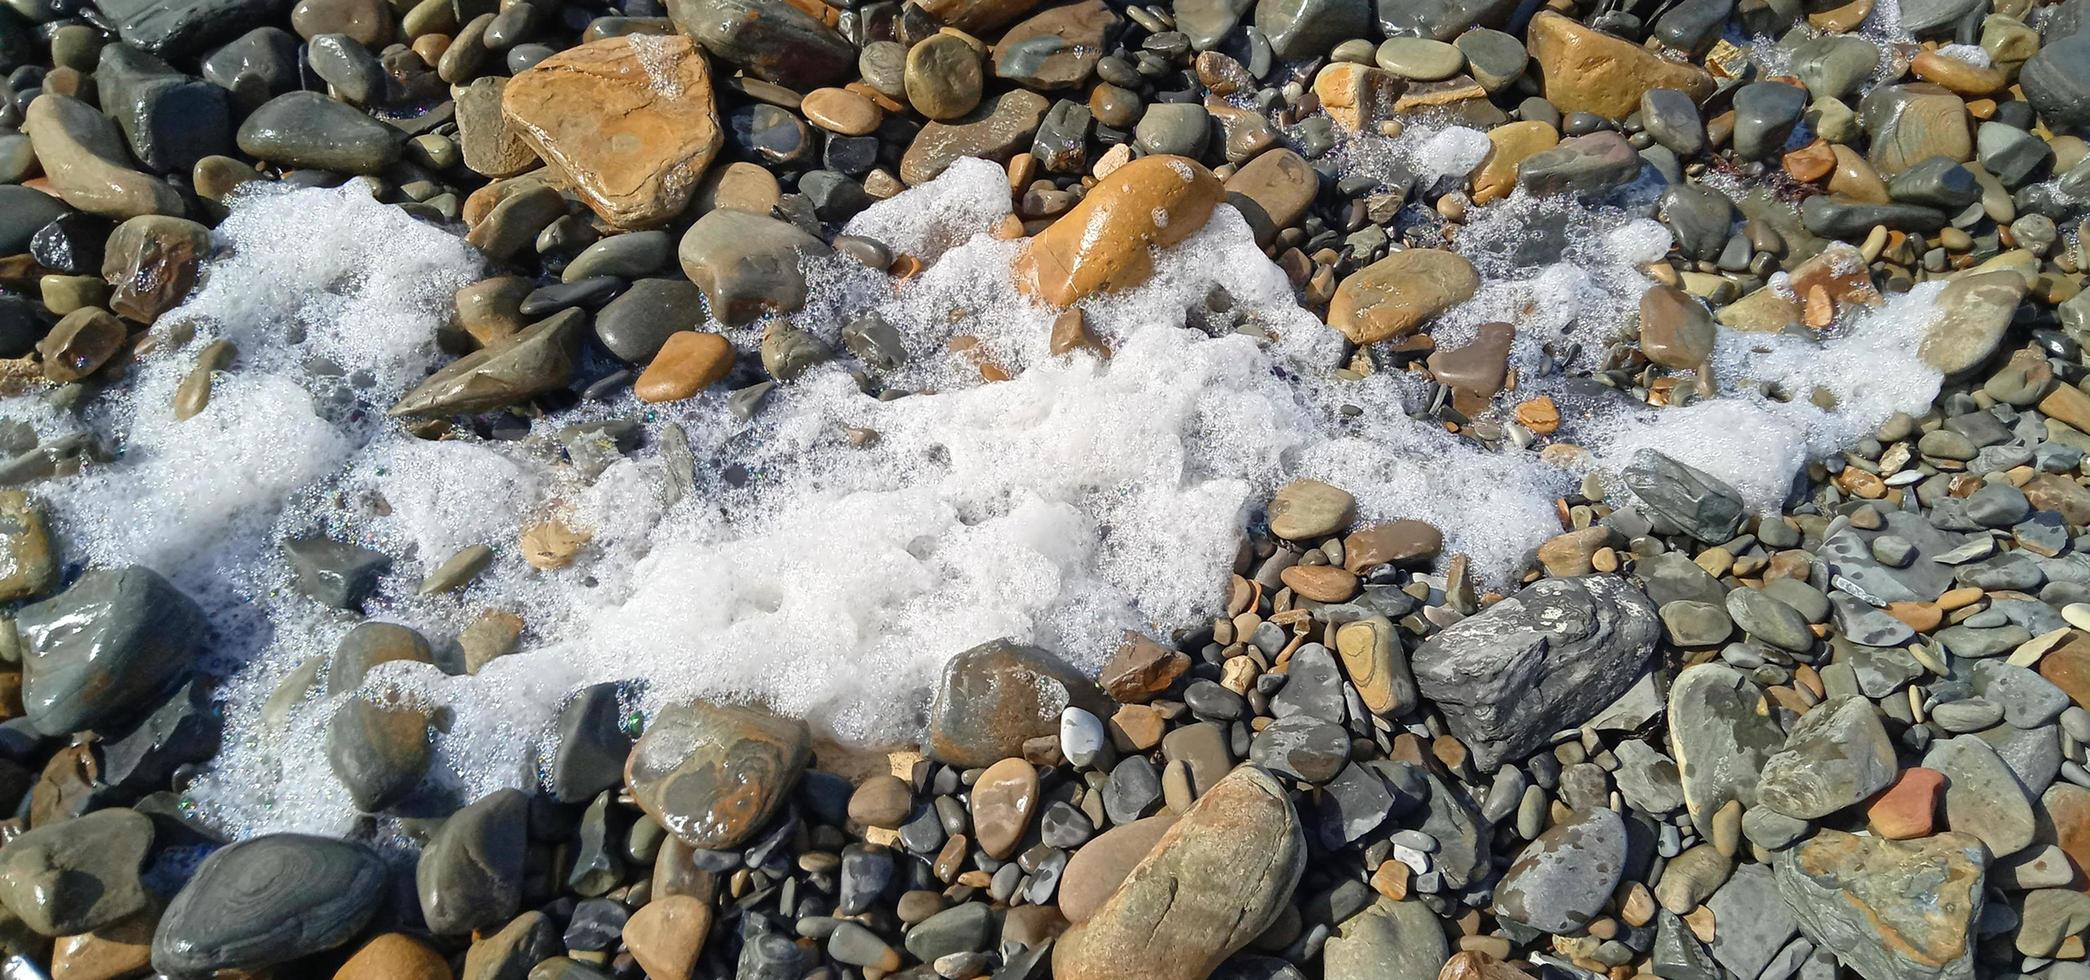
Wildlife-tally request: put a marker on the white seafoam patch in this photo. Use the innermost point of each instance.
(1078, 500)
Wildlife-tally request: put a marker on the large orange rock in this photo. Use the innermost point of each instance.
(1586, 70)
(1103, 245)
(628, 120)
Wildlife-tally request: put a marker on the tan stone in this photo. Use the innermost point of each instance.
(1214, 881)
(1357, 96)
(551, 545)
(629, 120)
(1962, 77)
(1390, 542)
(839, 110)
(739, 185)
(1581, 69)
(80, 344)
(393, 956)
(123, 949)
(1854, 177)
(1913, 122)
(88, 163)
(1398, 294)
(667, 935)
(1104, 244)
(1101, 864)
(688, 363)
(1321, 583)
(1001, 805)
(1513, 143)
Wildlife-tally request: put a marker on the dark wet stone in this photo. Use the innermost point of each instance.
(748, 264)
(2057, 82)
(256, 67)
(1936, 183)
(1353, 804)
(592, 745)
(1832, 217)
(268, 900)
(1595, 164)
(182, 731)
(23, 212)
(104, 650)
(307, 129)
(775, 42)
(470, 874)
(175, 29)
(1443, 20)
(1764, 115)
(333, 573)
(378, 752)
(1302, 29)
(539, 359)
(635, 324)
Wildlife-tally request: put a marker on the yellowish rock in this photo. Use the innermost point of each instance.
(1105, 243)
(1512, 144)
(1357, 96)
(1581, 69)
(1396, 295)
(629, 120)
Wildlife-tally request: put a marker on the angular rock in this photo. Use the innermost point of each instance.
(629, 121)
(1544, 659)
(1683, 499)
(1905, 910)
(539, 359)
(1002, 125)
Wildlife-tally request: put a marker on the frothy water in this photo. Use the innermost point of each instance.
(811, 566)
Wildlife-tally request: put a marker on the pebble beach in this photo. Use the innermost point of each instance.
(1044, 490)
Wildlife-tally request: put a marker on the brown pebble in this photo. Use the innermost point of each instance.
(689, 362)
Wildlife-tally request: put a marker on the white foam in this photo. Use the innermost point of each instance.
(828, 577)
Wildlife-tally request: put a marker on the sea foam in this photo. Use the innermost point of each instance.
(808, 566)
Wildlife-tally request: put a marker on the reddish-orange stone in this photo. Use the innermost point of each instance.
(1908, 808)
